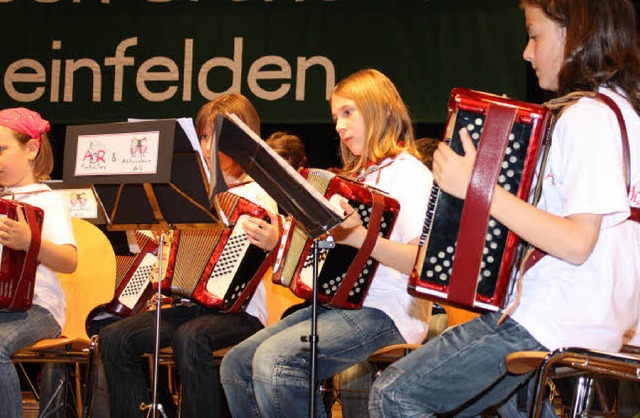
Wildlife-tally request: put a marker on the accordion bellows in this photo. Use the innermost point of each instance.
(344, 273)
(133, 274)
(218, 268)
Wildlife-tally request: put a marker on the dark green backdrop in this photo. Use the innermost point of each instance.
(426, 47)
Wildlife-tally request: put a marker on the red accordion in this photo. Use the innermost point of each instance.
(344, 272)
(218, 268)
(18, 268)
(466, 257)
(133, 277)
(133, 290)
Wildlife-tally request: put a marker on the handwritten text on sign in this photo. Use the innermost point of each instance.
(117, 154)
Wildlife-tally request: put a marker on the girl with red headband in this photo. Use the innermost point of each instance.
(25, 160)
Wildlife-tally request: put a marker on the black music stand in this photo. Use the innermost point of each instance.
(145, 175)
(289, 189)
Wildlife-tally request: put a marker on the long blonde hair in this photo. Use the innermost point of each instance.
(389, 130)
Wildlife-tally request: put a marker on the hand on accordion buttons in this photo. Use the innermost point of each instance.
(451, 171)
(351, 231)
(15, 234)
(261, 233)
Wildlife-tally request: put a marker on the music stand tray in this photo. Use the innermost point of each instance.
(273, 173)
(145, 175)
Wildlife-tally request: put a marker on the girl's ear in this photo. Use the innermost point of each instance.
(33, 146)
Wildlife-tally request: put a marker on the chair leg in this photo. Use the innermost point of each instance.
(58, 400)
(79, 408)
(537, 398)
(180, 404)
(32, 387)
(88, 377)
(581, 404)
(50, 407)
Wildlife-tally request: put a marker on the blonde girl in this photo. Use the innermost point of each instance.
(268, 374)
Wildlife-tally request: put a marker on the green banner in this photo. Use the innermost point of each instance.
(85, 61)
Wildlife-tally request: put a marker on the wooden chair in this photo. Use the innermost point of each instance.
(92, 284)
(588, 365)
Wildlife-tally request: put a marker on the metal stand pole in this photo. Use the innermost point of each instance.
(155, 406)
(313, 339)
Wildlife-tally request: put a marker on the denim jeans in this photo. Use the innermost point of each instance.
(355, 386)
(19, 330)
(193, 332)
(462, 372)
(268, 374)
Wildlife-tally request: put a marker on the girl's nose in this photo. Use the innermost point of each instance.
(527, 54)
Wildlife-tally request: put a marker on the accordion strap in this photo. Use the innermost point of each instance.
(30, 260)
(373, 229)
(635, 212)
(475, 212)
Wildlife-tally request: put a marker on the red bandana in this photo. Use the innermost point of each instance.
(24, 121)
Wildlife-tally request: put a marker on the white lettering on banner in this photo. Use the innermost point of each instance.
(70, 68)
(15, 74)
(235, 65)
(145, 74)
(26, 80)
(256, 73)
(119, 61)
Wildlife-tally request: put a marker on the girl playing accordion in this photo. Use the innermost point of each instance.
(268, 374)
(25, 160)
(585, 291)
(192, 330)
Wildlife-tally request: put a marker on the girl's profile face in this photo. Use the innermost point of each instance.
(205, 143)
(16, 160)
(545, 49)
(349, 124)
(228, 166)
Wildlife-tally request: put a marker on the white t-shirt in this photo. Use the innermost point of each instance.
(408, 181)
(252, 191)
(591, 305)
(56, 228)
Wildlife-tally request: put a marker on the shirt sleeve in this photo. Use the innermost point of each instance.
(588, 164)
(410, 184)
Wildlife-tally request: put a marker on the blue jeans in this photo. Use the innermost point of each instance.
(19, 330)
(193, 332)
(268, 374)
(462, 372)
(355, 385)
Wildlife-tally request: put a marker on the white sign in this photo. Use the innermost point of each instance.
(117, 154)
(81, 202)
